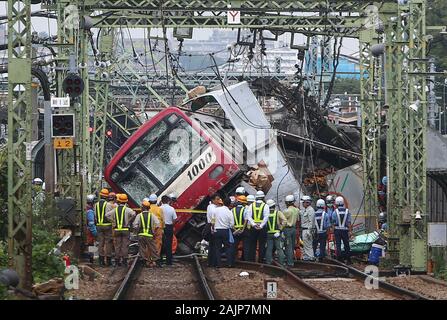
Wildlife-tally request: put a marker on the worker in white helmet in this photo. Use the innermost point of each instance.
(257, 215)
(322, 226)
(158, 212)
(38, 198)
(240, 191)
(307, 226)
(274, 226)
(342, 230)
(330, 207)
(292, 217)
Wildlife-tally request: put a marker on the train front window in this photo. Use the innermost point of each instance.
(137, 185)
(173, 151)
(143, 145)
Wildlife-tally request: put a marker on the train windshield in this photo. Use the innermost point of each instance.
(158, 157)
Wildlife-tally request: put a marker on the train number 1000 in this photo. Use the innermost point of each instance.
(200, 165)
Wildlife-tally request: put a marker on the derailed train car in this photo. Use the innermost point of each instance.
(193, 154)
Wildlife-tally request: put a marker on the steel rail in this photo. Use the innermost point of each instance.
(307, 269)
(306, 288)
(384, 285)
(136, 267)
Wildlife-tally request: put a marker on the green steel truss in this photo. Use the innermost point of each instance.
(406, 67)
(371, 100)
(19, 135)
(405, 64)
(99, 107)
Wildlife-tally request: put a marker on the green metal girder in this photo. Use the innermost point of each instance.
(371, 100)
(100, 97)
(19, 135)
(406, 65)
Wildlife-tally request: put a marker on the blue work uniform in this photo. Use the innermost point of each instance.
(341, 218)
(91, 221)
(322, 224)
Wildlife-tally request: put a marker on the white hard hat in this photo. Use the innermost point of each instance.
(329, 198)
(306, 198)
(251, 198)
(339, 201)
(145, 199)
(153, 198)
(37, 181)
(240, 190)
(320, 203)
(260, 194)
(172, 196)
(290, 198)
(91, 198)
(271, 202)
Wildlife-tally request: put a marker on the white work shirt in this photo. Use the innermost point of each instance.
(223, 218)
(265, 214)
(209, 212)
(168, 213)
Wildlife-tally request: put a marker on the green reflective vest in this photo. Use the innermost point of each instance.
(258, 212)
(100, 210)
(273, 222)
(145, 226)
(238, 213)
(120, 218)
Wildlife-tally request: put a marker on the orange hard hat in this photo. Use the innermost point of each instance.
(104, 193)
(146, 203)
(121, 197)
(242, 199)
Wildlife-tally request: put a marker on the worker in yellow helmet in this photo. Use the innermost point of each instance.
(121, 218)
(104, 228)
(146, 224)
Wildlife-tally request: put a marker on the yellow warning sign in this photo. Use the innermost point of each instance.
(63, 143)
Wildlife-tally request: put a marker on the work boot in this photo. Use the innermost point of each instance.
(101, 261)
(158, 263)
(109, 261)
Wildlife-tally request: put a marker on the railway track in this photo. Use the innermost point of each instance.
(227, 283)
(354, 287)
(183, 281)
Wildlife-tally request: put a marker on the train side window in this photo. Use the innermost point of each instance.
(172, 118)
(217, 171)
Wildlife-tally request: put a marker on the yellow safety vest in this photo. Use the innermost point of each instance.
(120, 222)
(258, 212)
(100, 212)
(272, 223)
(238, 217)
(147, 232)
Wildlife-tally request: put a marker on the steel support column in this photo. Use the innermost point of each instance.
(19, 137)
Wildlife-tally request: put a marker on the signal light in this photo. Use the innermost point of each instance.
(73, 85)
(63, 125)
(109, 133)
(90, 129)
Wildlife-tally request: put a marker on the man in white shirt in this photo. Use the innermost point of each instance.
(223, 222)
(207, 234)
(169, 216)
(257, 215)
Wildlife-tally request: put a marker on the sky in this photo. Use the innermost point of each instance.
(350, 46)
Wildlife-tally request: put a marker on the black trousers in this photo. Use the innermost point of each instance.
(212, 251)
(168, 234)
(257, 236)
(342, 235)
(243, 237)
(321, 240)
(222, 237)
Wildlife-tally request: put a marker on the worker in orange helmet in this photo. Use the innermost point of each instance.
(121, 218)
(104, 228)
(157, 211)
(146, 224)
